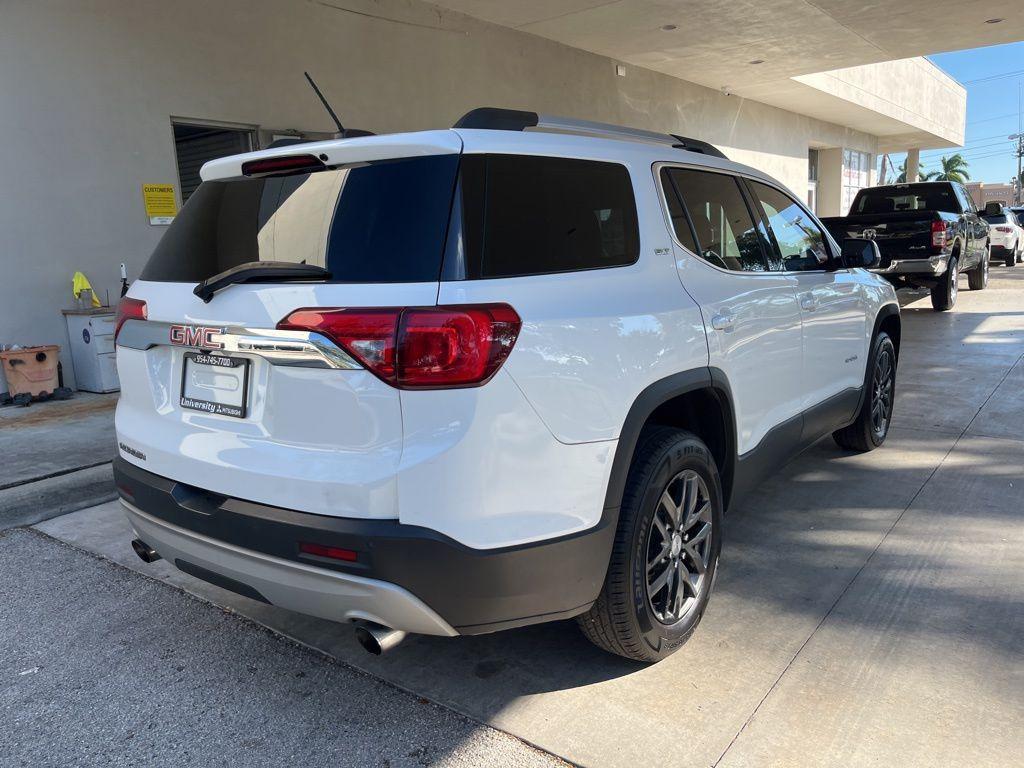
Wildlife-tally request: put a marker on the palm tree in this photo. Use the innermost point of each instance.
(954, 168)
(922, 174)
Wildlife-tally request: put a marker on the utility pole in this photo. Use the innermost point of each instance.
(1019, 152)
(1020, 141)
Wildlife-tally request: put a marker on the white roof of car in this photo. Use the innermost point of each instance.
(476, 140)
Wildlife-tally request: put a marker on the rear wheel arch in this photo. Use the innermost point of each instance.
(698, 401)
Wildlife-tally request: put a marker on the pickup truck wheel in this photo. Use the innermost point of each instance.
(977, 278)
(871, 426)
(944, 292)
(665, 555)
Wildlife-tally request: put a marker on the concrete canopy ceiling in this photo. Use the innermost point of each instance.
(715, 41)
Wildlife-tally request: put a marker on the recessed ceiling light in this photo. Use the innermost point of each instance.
(992, 21)
(756, 61)
(669, 27)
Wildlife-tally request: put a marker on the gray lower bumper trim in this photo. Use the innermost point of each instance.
(933, 266)
(303, 588)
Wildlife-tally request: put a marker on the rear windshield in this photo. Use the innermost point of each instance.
(906, 197)
(382, 222)
(995, 218)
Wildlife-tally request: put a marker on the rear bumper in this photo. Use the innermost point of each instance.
(406, 577)
(932, 266)
(298, 587)
(999, 251)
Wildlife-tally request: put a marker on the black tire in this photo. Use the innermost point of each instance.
(945, 291)
(1010, 259)
(977, 278)
(626, 619)
(867, 432)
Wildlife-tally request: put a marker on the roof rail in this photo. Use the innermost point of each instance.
(495, 119)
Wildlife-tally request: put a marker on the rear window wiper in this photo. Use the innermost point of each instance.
(259, 272)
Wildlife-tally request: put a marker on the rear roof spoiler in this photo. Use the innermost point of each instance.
(496, 119)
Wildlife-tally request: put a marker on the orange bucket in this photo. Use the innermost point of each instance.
(32, 370)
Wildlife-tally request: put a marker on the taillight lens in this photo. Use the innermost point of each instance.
(366, 334)
(938, 234)
(419, 347)
(128, 309)
(1004, 229)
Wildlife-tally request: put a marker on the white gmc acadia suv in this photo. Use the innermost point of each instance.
(457, 381)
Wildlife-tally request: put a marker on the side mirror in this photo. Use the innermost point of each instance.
(993, 209)
(858, 252)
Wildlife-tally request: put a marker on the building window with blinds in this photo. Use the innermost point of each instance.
(195, 144)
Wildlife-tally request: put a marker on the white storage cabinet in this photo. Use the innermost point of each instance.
(91, 332)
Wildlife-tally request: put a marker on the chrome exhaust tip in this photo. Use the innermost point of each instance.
(377, 639)
(145, 552)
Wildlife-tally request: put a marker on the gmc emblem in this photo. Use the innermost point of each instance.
(869, 234)
(198, 336)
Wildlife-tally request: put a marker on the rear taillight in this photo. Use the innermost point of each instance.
(419, 347)
(938, 234)
(1004, 229)
(128, 309)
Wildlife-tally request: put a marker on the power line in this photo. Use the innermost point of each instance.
(986, 138)
(998, 76)
(967, 144)
(990, 119)
(1006, 154)
(962, 150)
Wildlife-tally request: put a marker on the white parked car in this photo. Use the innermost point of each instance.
(1006, 235)
(1018, 212)
(458, 381)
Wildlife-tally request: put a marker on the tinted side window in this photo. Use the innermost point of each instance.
(797, 242)
(528, 215)
(726, 234)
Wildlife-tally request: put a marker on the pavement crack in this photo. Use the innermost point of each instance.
(58, 473)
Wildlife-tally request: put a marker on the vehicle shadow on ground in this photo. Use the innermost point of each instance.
(792, 549)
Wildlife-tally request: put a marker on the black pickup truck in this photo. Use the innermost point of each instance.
(927, 232)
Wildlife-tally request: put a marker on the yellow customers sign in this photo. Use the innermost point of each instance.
(161, 207)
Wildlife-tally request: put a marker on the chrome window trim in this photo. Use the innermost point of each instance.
(298, 349)
(667, 216)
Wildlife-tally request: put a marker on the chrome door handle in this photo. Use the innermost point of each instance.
(723, 321)
(808, 303)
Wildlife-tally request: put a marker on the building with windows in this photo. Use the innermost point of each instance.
(110, 107)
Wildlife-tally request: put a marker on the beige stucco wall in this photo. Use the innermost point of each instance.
(913, 91)
(88, 88)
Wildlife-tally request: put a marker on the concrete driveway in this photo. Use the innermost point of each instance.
(869, 610)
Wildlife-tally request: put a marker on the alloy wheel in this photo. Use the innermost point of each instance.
(881, 392)
(954, 279)
(679, 547)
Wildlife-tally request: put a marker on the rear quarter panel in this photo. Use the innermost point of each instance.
(592, 340)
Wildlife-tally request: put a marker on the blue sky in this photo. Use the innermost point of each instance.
(991, 109)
